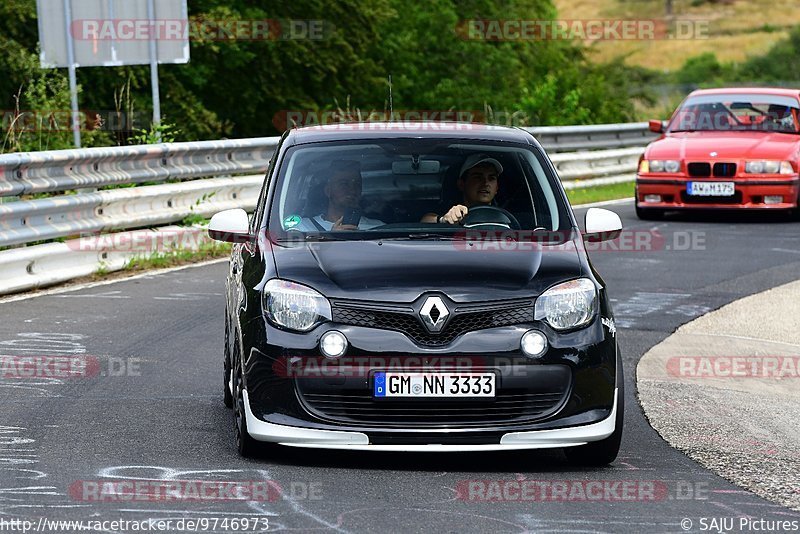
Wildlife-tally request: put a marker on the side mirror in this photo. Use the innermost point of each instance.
(656, 126)
(602, 225)
(231, 226)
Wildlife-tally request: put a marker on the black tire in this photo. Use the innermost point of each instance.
(649, 214)
(245, 444)
(227, 395)
(603, 452)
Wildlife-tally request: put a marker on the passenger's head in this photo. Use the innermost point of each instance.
(344, 184)
(479, 179)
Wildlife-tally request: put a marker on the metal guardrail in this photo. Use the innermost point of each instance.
(27, 221)
(103, 211)
(53, 263)
(61, 170)
(593, 137)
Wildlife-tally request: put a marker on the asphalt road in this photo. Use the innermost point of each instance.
(162, 418)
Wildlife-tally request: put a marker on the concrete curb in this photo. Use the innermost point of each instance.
(724, 390)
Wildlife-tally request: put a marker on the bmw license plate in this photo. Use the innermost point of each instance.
(421, 385)
(710, 189)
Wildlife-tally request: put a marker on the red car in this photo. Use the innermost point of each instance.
(724, 149)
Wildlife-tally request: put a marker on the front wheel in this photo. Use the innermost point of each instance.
(227, 391)
(603, 452)
(245, 444)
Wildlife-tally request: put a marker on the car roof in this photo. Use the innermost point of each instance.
(778, 91)
(405, 129)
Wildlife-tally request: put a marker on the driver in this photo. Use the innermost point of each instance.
(478, 182)
(343, 192)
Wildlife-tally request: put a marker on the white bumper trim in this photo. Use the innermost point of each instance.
(332, 439)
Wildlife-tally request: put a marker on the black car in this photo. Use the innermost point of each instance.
(419, 287)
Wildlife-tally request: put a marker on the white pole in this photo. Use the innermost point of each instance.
(73, 78)
(151, 15)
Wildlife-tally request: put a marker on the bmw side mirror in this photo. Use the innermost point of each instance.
(231, 226)
(656, 126)
(602, 225)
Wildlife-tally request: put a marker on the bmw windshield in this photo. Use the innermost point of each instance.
(737, 112)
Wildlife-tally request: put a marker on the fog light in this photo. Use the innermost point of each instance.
(333, 344)
(773, 199)
(652, 198)
(533, 343)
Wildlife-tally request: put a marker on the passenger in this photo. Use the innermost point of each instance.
(478, 181)
(343, 192)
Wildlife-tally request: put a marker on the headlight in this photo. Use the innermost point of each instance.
(294, 306)
(768, 167)
(672, 165)
(568, 305)
(658, 165)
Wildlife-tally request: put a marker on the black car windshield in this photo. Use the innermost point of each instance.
(737, 112)
(402, 188)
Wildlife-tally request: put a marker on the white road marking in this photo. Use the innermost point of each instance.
(603, 203)
(188, 296)
(788, 251)
(106, 295)
(89, 285)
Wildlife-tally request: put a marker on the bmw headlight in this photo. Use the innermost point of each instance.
(768, 167)
(568, 305)
(672, 165)
(659, 165)
(294, 306)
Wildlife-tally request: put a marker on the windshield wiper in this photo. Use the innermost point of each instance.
(423, 237)
(309, 237)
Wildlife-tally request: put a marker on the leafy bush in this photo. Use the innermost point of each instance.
(236, 88)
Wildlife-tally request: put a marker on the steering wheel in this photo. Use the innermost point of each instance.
(490, 216)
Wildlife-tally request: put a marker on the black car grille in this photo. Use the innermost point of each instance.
(725, 170)
(699, 169)
(523, 393)
(505, 408)
(409, 324)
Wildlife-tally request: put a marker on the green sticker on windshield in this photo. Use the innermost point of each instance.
(291, 221)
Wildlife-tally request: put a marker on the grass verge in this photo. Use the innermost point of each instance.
(586, 195)
(161, 260)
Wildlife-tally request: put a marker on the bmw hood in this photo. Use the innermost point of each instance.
(725, 145)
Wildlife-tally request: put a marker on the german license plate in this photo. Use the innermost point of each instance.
(710, 189)
(444, 385)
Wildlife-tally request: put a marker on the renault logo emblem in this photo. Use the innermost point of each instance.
(434, 314)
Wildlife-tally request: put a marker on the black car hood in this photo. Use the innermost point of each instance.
(400, 271)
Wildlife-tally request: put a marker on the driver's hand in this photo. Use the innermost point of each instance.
(455, 215)
(338, 226)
